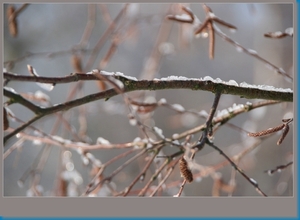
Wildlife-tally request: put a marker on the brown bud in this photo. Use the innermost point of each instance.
(185, 170)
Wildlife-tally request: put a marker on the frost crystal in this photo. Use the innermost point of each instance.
(104, 73)
(253, 52)
(246, 85)
(212, 15)
(10, 89)
(80, 150)
(277, 33)
(149, 146)
(137, 139)
(237, 107)
(218, 80)
(232, 83)
(183, 17)
(176, 142)
(127, 77)
(182, 78)
(178, 107)
(120, 84)
(47, 87)
(58, 139)
(222, 113)
(85, 160)
(281, 70)
(289, 31)
(97, 163)
(159, 132)
(40, 95)
(206, 78)
(269, 67)
(117, 82)
(239, 49)
(132, 121)
(203, 113)
(175, 136)
(253, 181)
(101, 140)
(162, 101)
(81, 144)
(37, 142)
(90, 156)
(203, 34)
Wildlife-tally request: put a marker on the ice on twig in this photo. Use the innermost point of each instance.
(162, 101)
(101, 140)
(159, 132)
(253, 52)
(178, 107)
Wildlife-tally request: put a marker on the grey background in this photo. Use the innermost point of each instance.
(228, 64)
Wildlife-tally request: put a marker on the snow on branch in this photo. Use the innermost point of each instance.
(206, 83)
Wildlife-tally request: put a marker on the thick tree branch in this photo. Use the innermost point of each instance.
(17, 98)
(132, 84)
(172, 82)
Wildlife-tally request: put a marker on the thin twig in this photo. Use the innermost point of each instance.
(153, 178)
(103, 39)
(278, 168)
(115, 172)
(142, 173)
(170, 170)
(250, 180)
(203, 138)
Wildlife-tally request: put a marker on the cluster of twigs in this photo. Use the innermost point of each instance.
(208, 27)
(147, 149)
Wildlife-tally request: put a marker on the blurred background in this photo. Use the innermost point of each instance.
(147, 46)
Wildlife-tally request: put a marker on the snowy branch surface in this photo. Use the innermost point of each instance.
(206, 83)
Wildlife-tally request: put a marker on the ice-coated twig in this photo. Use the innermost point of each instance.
(279, 34)
(153, 177)
(278, 168)
(250, 180)
(92, 185)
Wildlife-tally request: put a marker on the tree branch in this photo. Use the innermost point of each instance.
(172, 82)
(250, 180)
(17, 98)
(132, 84)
